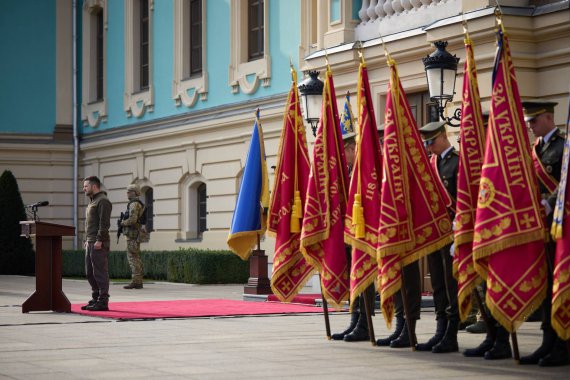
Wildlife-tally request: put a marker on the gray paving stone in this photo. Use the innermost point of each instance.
(46, 345)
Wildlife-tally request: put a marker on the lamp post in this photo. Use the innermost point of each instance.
(441, 70)
(311, 90)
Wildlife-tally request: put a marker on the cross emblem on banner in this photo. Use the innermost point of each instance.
(527, 220)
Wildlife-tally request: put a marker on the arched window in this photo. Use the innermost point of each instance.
(147, 197)
(201, 209)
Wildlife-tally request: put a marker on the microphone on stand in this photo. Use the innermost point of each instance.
(34, 208)
(38, 204)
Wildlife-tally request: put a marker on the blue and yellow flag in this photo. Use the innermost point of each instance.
(249, 220)
(347, 118)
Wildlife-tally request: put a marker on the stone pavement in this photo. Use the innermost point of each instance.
(47, 345)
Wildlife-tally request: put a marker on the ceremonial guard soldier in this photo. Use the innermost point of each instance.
(357, 330)
(445, 161)
(547, 158)
(400, 338)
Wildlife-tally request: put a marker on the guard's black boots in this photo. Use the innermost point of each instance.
(132, 285)
(548, 340)
(360, 332)
(400, 321)
(92, 301)
(479, 351)
(353, 321)
(501, 348)
(557, 357)
(449, 341)
(404, 339)
(439, 333)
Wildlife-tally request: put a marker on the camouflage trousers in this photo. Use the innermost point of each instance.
(135, 262)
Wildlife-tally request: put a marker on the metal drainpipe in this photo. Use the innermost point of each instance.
(75, 126)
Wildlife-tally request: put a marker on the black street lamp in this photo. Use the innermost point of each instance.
(441, 70)
(311, 90)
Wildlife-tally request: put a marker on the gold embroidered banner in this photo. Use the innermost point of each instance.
(363, 213)
(290, 268)
(322, 240)
(471, 144)
(508, 240)
(405, 235)
(561, 232)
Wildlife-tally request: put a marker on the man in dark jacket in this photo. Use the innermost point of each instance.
(445, 161)
(547, 158)
(97, 244)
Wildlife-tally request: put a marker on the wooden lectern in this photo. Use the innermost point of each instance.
(48, 294)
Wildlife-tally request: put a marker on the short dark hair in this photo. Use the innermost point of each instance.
(93, 180)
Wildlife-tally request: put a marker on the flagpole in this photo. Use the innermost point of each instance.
(491, 330)
(326, 312)
(405, 300)
(368, 309)
(498, 17)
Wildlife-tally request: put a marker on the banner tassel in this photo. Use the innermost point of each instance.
(358, 216)
(296, 213)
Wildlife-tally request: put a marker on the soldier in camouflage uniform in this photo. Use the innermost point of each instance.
(132, 231)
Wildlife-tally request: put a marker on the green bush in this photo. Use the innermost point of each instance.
(190, 266)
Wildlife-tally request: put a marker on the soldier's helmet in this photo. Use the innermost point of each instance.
(134, 188)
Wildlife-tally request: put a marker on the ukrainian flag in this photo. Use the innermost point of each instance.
(249, 220)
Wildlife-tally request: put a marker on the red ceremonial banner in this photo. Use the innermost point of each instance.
(405, 236)
(471, 143)
(508, 240)
(290, 268)
(363, 213)
(322, 240)
(561, 232)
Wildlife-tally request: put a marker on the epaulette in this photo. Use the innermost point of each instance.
(560, 133)
(456, 152)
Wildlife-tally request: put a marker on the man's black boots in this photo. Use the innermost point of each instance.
(400, 322)
(439, 333)
(449, 341)
(486, 345)
(548, 340)
(557, 357)
(92, 301)
(501, 348)
(479, 351)
(360, 332)
(404, 339)
(353, 321)
(102, 304)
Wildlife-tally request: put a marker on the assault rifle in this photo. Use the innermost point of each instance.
(124, 215)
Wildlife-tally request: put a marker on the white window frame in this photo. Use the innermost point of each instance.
(137, 102)
(185, 90)
(258, 71)
(93, 111)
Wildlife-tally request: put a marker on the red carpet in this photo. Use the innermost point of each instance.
(193, 308)
(307, 299)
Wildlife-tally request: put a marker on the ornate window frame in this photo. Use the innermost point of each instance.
(137, 102)
(190, 214)
(93, 111)
(243, 75)
(185, 89)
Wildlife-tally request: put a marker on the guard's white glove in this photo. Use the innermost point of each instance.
(453, 225)
(452, 250)
(547, 207)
